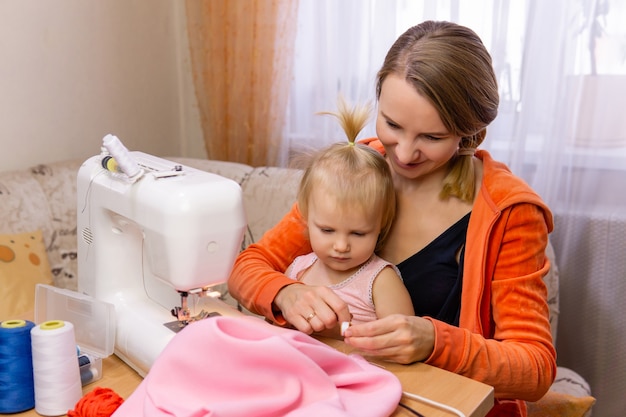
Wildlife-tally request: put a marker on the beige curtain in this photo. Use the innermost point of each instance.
(242, 58)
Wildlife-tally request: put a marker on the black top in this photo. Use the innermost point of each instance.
(433, 276)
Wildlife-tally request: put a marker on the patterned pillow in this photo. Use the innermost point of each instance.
(23, 264)
(557, 404)
(569, 396)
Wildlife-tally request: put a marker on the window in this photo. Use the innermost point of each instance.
(553, 96)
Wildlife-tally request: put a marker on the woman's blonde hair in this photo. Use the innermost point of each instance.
(355, 174)
(448, 64)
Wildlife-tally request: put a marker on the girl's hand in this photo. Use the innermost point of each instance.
(311, 309)
(396, 338)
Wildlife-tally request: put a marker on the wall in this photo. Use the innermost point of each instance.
(72, 71)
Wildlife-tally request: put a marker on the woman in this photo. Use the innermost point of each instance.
(469, 237)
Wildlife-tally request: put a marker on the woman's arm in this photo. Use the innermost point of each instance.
(257, 275)
(518, 359)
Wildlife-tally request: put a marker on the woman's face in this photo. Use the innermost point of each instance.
(409, 127)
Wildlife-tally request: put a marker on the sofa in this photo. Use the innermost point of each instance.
(38, 244)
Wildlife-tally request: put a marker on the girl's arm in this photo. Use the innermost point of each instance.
(390, 295)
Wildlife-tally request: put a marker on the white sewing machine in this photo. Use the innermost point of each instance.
(153, 237)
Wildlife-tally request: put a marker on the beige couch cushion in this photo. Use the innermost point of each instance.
(269, 193)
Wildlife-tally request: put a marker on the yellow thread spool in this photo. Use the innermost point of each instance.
(110, 164)
(52, 325)
(12, 324)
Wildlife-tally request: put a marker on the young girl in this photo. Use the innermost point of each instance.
(348, 203)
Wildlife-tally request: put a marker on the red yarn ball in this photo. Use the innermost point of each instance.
(101, 402)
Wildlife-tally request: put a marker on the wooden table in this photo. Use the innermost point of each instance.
(473, 398)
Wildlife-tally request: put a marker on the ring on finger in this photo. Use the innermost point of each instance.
(310, 316)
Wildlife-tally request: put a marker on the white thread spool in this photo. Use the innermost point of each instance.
(121, 155)
(55, 368)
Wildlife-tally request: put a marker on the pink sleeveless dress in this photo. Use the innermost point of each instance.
(356, 290)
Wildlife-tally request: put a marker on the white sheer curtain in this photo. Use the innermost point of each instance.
(339, 46)
(561, 66)
(569, 142)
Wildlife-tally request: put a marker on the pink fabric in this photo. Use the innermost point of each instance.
(225, 366)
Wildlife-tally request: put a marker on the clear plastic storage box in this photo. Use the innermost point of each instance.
(93, 321)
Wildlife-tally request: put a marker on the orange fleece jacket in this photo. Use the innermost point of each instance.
(503, 338)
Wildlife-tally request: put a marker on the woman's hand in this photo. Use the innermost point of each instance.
(396, 338)
(311, 309)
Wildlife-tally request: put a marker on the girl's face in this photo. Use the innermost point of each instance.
(409, 127)
(343, 238)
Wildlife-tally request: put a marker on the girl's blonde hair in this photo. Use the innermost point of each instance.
(448, 64)
(356, 175)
